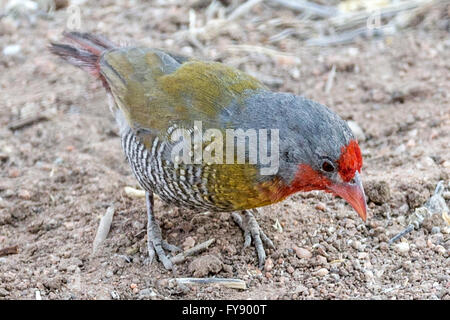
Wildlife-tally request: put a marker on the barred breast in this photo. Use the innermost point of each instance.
(183, 185)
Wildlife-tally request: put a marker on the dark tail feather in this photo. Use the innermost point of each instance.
(93, 43)
(84, 52)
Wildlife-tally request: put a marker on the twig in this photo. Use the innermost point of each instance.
(350, 36)
(261, 50)
(243, 9)
(347, 20)
(134, 193)
(9, 250)
(21, 123)
(229, 283)
(435, 205)
(283, 34)
(330, 80)
(308, 7)
(103, 228)
(181, 257)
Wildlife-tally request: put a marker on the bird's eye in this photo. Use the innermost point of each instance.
(327, 166)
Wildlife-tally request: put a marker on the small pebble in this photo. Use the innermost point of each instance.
(145, 293)
(290, 269)
(227, 268)
(368, 275)
(13, 173)
(24, 194)
(11, 50)
(363, 255)
(188, 243)
(268, 265)
(440, 249)
(321, 260)
(356, 245)
(321, 206)
(302, 253)
(322, 272)
(435, 230)
(402, 247)
(357, 131)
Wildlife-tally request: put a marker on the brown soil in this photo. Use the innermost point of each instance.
(57, 177)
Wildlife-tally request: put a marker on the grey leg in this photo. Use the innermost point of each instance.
(155, 243)
(252, 230)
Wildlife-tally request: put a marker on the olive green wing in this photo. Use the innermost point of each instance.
(155, 89)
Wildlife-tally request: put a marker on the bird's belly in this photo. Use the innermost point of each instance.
(184, 186)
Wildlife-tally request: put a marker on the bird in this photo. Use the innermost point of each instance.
(154, 93)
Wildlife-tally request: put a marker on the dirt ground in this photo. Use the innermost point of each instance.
(58, 177)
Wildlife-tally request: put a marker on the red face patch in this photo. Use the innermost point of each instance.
(350, 161)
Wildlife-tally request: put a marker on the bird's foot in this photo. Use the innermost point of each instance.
(252, 230)
(156, 246)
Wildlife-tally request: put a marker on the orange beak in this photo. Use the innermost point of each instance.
(353, 193)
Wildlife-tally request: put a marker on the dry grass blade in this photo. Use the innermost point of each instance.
(103, 228)
(229, 283)
(179, 258)
(134, 193)
(308, 7)
(9, 250)
(243, 9)
(28, 121)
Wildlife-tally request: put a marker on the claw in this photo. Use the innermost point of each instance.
(253, 231)
(155, 243)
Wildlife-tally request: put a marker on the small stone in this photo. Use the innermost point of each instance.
(188, 243)
(24, 194)
(224, 216)
(411, 143)
(302, 253)
(147, 293)
(321, 206)
(133, 286)
(440, 249)
(268, 266)
(290, 269)
(428, 161)
(9, 193)
(13, 173)
(435, 230)
(403, 209)
(363, 255)
(322, 272)
(201, 230)
(357, 131)
(400, 149)
(11, 50)
(269, 275)
(115, 295)
(368, 275)
(321, 260)
(402, 247)
(356, 245)
(61, 4)
(3, 292)
(421, 243)
(227, 268)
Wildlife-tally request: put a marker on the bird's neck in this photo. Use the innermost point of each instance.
(306, 179)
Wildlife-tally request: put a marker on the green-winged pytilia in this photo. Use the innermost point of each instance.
(154, 93)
